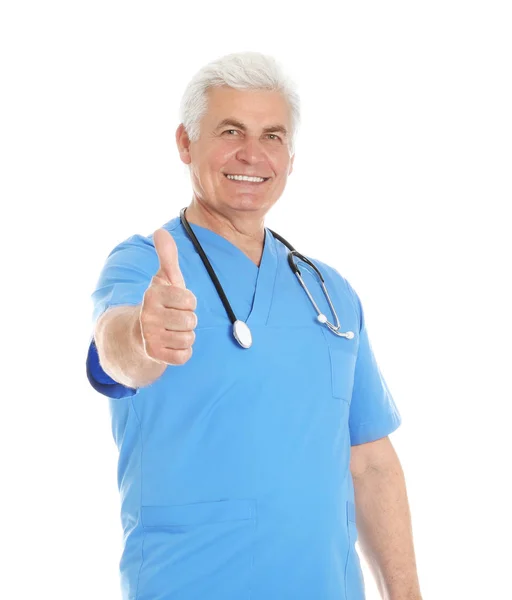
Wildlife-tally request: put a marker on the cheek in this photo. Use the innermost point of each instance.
(210, 159)
(282, 170)
(206, 171)
(220, 155)
(281, 161)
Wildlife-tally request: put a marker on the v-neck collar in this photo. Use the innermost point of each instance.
(265, 274)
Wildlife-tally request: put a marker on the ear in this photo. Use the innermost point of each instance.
(183, 143)
(291, 164)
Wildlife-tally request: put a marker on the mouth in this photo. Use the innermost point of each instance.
(245, 180)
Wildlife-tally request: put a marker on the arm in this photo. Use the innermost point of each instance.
(383, 519)
(120, 348)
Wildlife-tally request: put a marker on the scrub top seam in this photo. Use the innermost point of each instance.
(380, 430)
(176, 225)
(140, 501)
(353, 301)
(276, 274)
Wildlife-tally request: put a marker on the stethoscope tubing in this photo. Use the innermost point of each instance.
(240, 326)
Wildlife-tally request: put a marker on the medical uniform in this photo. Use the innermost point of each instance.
(234, 467)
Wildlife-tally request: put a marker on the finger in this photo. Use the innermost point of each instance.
(178, 340)
(171, 357)
(167, 251)
(179, 320)
(170, 296)
(174, 297)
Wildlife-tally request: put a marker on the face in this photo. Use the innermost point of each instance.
(243, 132)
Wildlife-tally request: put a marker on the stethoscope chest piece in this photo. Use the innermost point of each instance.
(242, 334)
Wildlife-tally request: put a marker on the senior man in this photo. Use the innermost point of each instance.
(252, 437)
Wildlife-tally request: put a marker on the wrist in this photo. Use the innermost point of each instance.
(136, 334)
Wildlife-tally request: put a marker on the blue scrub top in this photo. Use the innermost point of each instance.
(234, 467)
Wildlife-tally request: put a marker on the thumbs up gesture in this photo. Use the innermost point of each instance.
(167, 317)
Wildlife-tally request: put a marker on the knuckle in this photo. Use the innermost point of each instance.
(180, 340)
(191, 321)
(190, 337)
(180, 357)
(176, 293)
(192, 300)
(183, 298)
(177, 359)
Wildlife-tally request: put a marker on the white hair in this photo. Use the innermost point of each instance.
(240, 70)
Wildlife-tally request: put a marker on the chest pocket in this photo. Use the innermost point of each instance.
(342, 351)
(342, 356)
(343, 362)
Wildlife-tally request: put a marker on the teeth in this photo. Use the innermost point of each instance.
(245, 178)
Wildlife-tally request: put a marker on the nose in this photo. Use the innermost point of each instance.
(250, 151)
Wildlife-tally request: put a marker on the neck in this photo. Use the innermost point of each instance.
(248, 235)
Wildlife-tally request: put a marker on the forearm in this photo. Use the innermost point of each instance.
(385, 531)
(120, 348)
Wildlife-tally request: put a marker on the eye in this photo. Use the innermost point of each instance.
(228, 130)
(274, 136)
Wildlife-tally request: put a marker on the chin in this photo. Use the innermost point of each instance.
(247, 202)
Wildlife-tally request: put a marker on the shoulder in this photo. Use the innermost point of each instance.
(139, 249)
(334, 280)
(337, 281)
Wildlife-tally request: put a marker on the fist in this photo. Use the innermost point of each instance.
(167, 317)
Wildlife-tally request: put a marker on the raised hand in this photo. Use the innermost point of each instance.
(167, 317)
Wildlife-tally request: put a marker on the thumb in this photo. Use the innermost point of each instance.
(167, 252)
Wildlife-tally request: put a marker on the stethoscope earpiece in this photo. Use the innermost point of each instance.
(323, 319)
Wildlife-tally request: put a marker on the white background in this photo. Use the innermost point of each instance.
(402, 182)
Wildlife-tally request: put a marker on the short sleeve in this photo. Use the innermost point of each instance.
(123, 280)
(373, 413)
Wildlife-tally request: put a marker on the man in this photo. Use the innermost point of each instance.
(242, 469)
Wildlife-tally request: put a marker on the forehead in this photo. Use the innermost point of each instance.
(253, 107)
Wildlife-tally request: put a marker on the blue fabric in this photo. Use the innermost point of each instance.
(101, 381)
(234, 467)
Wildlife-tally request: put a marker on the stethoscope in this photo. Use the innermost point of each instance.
(241, 331)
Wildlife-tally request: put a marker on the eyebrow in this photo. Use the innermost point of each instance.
(235, 123)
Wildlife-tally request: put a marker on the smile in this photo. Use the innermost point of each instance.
(246, 178)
